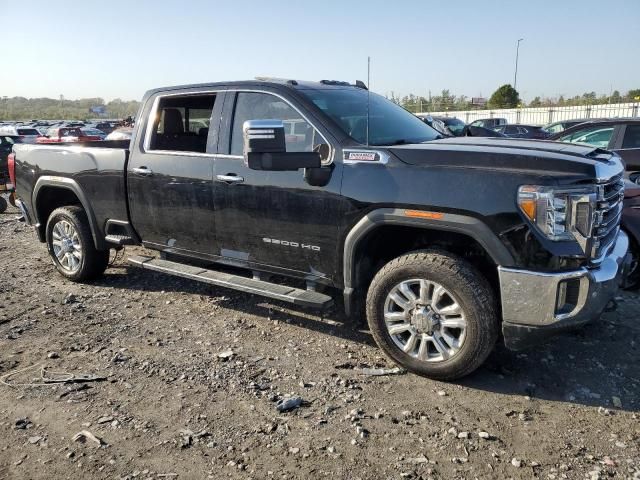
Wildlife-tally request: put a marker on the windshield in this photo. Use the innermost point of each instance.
(389, 124)
(454, 124)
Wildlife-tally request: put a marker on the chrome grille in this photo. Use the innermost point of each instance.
(606, 224)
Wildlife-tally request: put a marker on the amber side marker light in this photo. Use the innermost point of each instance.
(420, 214)
(527, 201)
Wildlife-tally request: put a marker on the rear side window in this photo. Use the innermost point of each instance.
(631, 137)
(597, 136)
(27, 131)
(182, 122)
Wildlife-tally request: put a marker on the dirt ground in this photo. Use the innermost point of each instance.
(193, 376)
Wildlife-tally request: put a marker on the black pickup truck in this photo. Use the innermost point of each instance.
(310, 191)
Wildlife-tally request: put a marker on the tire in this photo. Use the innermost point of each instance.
(632, 279)
(70, 245)
(3, 204)
(456, 295)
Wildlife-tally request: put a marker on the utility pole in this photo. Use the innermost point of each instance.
(515, 75)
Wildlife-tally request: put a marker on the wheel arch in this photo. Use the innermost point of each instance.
(448, 226)
(50, 193)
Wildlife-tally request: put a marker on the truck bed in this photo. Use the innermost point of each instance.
(93, 171)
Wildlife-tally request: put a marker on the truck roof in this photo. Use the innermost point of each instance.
(271, 81)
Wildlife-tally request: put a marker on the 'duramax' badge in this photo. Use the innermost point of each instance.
(362, 156)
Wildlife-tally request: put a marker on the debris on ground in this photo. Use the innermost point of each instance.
(84, 435)
(288, 404)
(378, 372)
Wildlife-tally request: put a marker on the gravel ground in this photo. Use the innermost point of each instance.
(194, 375)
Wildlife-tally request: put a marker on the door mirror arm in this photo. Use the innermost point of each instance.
(319, 176)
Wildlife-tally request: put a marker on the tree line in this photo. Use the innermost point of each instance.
(506, 97)
(21, 108)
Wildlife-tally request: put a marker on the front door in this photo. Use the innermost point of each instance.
(275, 220)
(170, 177)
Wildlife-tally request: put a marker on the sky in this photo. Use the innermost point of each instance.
(120, 49)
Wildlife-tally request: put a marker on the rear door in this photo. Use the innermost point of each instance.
(276, 221)
(170, 174)
(628, 145)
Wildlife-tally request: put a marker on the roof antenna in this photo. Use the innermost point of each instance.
(368, 94)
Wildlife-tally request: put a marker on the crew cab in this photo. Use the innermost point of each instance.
(341, 194)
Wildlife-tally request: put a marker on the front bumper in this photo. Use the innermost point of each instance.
(536, 305)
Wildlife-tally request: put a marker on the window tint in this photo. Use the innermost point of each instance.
(596, 136)
(27, 131)
(300, 136)
(631, 137)
(182, 123)
(511, 129)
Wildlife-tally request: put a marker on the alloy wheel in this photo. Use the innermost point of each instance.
(425, 320)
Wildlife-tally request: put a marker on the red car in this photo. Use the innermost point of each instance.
(67, 134)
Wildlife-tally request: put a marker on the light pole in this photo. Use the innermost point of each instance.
(515, 75)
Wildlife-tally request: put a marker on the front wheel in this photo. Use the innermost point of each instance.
(71, 246)
(632, 278)
(433, 313)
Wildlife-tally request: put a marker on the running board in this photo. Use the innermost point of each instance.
(297, 296)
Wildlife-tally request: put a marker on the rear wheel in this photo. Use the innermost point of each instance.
(71, 246)
(3, 204)
(433, 313)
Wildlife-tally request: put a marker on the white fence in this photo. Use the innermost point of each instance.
(544, 115)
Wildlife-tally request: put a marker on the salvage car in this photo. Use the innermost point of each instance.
(522, 131)
(67, 135)
(488, 122)
(620, 135)
(359, 205)
(26, 134)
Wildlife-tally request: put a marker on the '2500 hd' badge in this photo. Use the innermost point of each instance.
(287, 243)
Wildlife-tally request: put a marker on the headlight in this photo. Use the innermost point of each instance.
(560, 214)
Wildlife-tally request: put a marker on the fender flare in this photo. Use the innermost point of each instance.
(450, 222)
(72, 185)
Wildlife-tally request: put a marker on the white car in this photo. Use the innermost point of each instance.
(26, 134)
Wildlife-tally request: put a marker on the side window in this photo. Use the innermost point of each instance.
(522, 130)
(557, 128)
(300, 136)
(596, 136)
(631, 137)
(181, 123)
(511, 130)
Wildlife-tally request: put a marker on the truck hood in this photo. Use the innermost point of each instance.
(511, 154)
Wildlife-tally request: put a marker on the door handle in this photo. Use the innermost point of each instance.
(230, 178)
(144, 171)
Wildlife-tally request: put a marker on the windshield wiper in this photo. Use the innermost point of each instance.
(400, 141)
